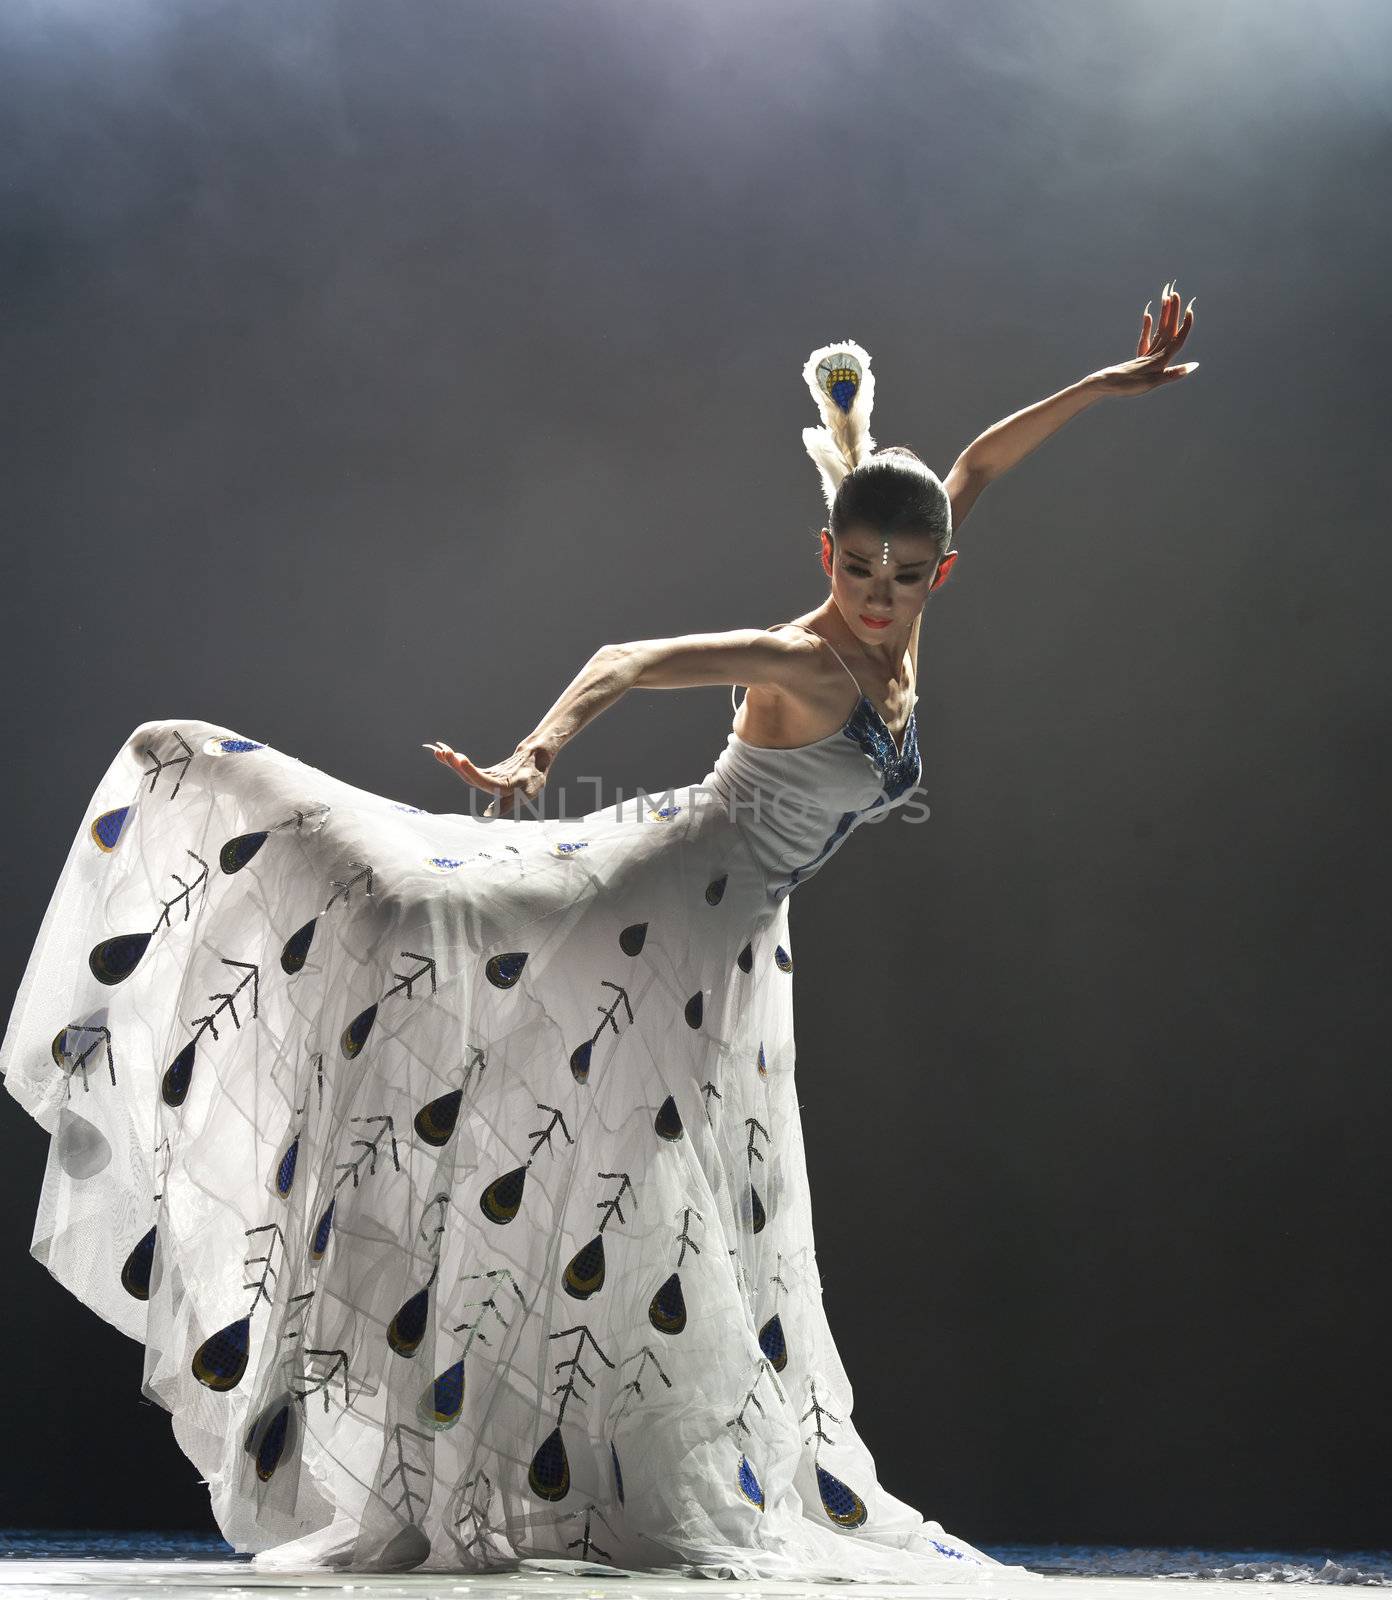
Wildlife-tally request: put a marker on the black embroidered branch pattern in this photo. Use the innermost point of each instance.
(227, 999)
(80, 1063)
(633, 1389)
(370, 1149)
(684, 1238)
(611, 1207)
(185, 894)
(181, 761)
(543, 1135)
(819, 1411)
(572, 1364)
(268, 1274)
(343, 887)
(752, 1398)
(318, 1383)
(404, 1468)
(607, 1014)
(504, 1276)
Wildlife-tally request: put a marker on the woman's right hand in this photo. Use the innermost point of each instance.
(522, 774)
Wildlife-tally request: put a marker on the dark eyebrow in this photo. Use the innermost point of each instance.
(868, 560)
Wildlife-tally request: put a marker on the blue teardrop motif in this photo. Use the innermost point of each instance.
(442, 1403)
(667, 1313)
(113, 960)
(842, 1504)
(580, 1061)
(668, 1123)
(272, 1446)
(407, 1328)
(505, 970)
(435, 1121)
(355, 1034)
(773, 1344)
(746, 958)
(221, 1359)
(584, 1274)
(715, 889)
(285, 1172)
(174, 1085)
(320, 1242)
(783, 959)
(296, 951)
(618, 1472)
(235, 854)
(749, 1485)
(135, 1274)
(549, 1473)
(501, 1200)
(695, 1006)
(631, 940)
(106, 829)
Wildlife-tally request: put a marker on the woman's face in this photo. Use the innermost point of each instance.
(879, 599)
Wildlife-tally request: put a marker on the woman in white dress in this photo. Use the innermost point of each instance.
(450, 1168)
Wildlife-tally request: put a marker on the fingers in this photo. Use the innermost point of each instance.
(466, 768)
(1145, 331)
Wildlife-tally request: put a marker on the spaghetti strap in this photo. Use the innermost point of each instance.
(827, 642)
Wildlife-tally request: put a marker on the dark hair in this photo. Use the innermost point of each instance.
(893, 492)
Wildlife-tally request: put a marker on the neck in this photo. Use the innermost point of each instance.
(886, 652)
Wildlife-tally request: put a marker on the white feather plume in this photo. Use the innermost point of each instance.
(844, 441)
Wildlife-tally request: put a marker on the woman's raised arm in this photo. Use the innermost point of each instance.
(1008, 442)
(743, 655)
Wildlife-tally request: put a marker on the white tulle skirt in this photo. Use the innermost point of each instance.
(450, 1171)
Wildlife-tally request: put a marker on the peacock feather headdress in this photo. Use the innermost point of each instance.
(843, 386)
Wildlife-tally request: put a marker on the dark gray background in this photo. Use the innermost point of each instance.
(366, 366)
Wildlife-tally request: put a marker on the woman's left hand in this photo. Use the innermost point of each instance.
(1155, 349)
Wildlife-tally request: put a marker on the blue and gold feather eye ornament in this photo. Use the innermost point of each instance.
(839, 377)
(549, 1473)
(443, 1401)
(106, 829)
(224, 746)
(840, 1502)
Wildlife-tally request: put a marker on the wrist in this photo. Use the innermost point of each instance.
(1096, 386)
(540, 749)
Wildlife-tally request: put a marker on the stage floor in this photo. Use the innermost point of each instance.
(127, 1580)
(35, 1564)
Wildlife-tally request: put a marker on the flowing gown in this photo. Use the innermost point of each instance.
(450, 1168)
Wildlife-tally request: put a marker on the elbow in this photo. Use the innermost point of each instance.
(622, 664)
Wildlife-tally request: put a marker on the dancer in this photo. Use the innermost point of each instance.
(449, 1168)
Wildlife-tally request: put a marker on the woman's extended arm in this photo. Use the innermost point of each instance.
(1008, 442)
(744, 655)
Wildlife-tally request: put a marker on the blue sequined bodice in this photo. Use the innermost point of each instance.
(798, 806)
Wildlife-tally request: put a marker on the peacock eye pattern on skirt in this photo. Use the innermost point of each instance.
(549, 1473)
(407, 1328)
(667, 1310)
(271, 1434)
(106, 829)
(749, 1484)
(667, 1124)
(772, 1342)
(442, 1404)
(139, 1264)
(222, 1359)
(843, 1505)
(436, 1121)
